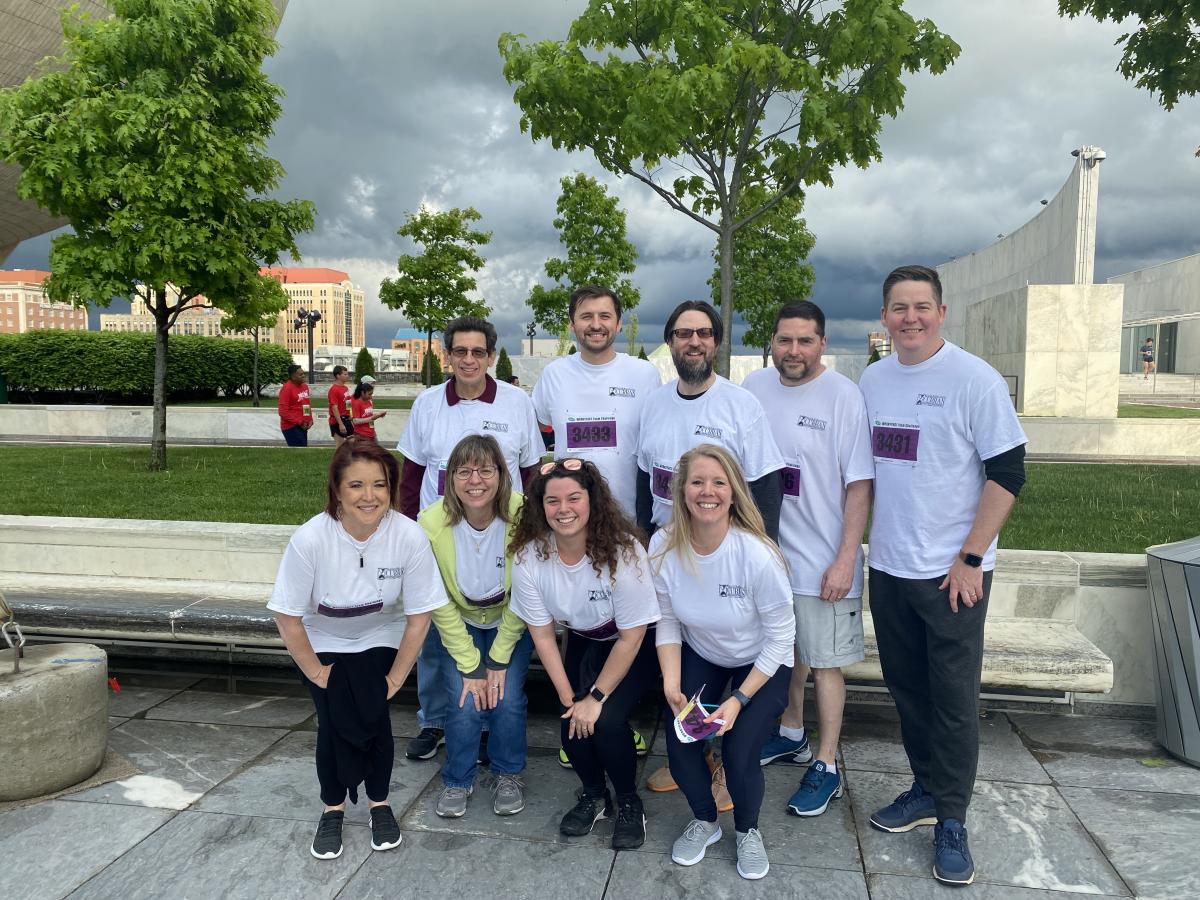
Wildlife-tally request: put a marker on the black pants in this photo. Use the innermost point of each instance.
(609, 751)
(741, 746)
(354, 731)
(932, 659)
(296, 436)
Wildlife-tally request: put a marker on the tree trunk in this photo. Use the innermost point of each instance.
(726, 259)
(158, 430)
(427, 362)
(254, 374)
(766, 351)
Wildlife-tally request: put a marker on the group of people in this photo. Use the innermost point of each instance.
(698, 542)
(351, 413)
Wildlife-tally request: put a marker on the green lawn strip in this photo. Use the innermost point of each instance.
(269, 403)
(1140, 411)
(1100, 508)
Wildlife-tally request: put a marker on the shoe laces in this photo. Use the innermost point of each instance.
(629, 811)
(697, 830)
(812, 779)
(455, 793)
(751, 845)
(718, 776)
(507, 784)
(954, 839)
(912, 795)
(329, 826)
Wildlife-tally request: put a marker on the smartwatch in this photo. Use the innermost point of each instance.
(971, 559)
(740, 698)
(596, 694)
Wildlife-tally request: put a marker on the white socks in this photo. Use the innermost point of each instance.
(792, 734)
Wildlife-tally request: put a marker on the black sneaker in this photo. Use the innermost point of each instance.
(385, 833)
(327, 843)
(629, 830)
(425, 745)
(483, 759)
(589, 810)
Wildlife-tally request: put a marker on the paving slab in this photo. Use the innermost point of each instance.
(875, 746)
(653, 876)
(132, 701)
(427, 864)
(1155, 771)
(204, 855)
(1021, 834)
(234, 709)
(404, 722)
(53, 847)
(180, 761)
(114, 721)
(901, 887)
(283, 784)
(1151, 838)
(1087, 733)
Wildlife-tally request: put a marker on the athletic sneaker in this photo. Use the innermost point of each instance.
(452, 802)
(508, 798)
(952, 863)
(425, 745)
(912, 808)
(689, 847)
(385, 833)
(778, 747)
(327, 843)
(640, 747)
(629, 829)
(563, 760)
(817, 788)
(751, 855)
(587, 811)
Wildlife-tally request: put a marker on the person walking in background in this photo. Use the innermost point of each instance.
(295, 408)
(362, 409)
(340, 426)
(1148, 365)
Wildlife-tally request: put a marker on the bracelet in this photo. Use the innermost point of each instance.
(740, 698)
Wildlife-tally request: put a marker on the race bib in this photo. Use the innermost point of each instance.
(791, 482)
(660, 482)
(306, 410)
(591, 431)
(441, 481)
(895, 441)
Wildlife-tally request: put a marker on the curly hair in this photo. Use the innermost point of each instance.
(611, 535)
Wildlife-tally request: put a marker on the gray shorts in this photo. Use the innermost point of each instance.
(828, 635)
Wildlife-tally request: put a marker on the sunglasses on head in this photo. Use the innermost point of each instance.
(685, 334)
(571, 464)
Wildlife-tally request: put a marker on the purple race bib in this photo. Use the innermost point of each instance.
(441, 482)
(894, 441)
(660, 482)
(791, 481)
(591, 433)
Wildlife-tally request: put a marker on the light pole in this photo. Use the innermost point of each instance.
(308, 318)
(531, 330)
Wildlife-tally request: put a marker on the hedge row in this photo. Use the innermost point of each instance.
(122, 363)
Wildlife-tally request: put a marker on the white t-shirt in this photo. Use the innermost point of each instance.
(932, 425)
(352, 594)
(733, 607)
(596, 606)
(434, 427)
(596, 415)
(821, 430)
(479, 560)
(725, 414)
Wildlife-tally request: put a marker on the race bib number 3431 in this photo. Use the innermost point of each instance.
(895, 441)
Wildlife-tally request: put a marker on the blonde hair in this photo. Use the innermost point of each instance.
(480, 449)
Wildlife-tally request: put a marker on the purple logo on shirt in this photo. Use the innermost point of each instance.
(895, 442)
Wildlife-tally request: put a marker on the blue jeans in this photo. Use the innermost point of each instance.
(506, 723)
(434, 668)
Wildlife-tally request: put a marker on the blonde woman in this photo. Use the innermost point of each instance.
(727, 621)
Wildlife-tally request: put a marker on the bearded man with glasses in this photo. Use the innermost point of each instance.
(470, 402)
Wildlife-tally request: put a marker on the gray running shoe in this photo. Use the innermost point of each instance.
(508, 798)
(752, 855)
(689, 847)
(452, 802)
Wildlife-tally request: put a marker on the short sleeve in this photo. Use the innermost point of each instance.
(668, 630)
(634, 600)
(412, 439)
(994, 425)
(293, 591)
(541, 403)
(531, 450)
(526, 602)
(760, 454)
(423, 588)
(854, 451)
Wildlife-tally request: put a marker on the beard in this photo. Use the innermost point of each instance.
(692, 373)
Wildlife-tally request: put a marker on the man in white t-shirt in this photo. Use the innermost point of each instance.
(702, 407)
(949, 462)
(592, 400)
(470, 402)
(819, 422)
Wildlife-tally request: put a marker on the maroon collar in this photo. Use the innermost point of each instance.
(488, 395)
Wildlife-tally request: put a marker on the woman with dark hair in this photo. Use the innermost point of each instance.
(357, 581)
(485, 645)
(727, 620)
(362, 410)
(578, 561)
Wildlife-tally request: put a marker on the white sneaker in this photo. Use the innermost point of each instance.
(689, 847)
(751, 855)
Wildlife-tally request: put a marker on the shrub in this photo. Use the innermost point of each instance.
(431, 369)
(364, 365)
(503, 367)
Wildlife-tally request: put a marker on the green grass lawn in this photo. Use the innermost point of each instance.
(1139, 411)
(1103, 508)
(269, 403)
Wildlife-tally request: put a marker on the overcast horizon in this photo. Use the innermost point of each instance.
(384, 111)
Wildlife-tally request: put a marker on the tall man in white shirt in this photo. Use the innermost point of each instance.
(949, 463)
(593, 399)
(819, 421)
(470, 402)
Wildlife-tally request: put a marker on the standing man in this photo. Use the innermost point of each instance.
(295, 410)
(819, 421)
(470, 402)
(949, 463)
(1147, 359)
(340, 426)
(593, 399)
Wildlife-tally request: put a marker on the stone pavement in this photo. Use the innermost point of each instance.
(227, 805)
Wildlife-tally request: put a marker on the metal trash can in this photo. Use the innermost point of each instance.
(1174, 578)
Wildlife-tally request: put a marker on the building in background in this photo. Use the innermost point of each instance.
(1162, 302)
(196, 319)
(331, 293)
(879, 340)
(24, 305)
(408, 351)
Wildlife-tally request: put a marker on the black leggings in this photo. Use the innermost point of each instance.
(609, 751)
(741, 746)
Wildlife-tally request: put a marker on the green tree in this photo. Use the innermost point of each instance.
(769, 268)
(631, 333)
(259, 310)
(149, 136)
(642, 353)
(503, 367)
(727, 95)
(874, 357)
(431, 287)
(364, 364)
(431, 368)
(591, 226)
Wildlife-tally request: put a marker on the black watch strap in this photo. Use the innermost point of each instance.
(973, 560)
(598, 695)
(741, 698)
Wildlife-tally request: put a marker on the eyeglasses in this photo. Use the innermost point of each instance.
(464, 352)
(685, 334)
(571, 464)
(487, 473)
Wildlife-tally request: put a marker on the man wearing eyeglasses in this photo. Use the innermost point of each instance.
(470, 402)
(593, 399)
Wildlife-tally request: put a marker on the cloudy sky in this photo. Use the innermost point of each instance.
(387, 109)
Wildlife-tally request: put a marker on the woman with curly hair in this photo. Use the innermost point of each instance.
(578, 561)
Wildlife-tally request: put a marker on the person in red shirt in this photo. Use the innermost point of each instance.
(340, 426)
(362, 410)
(295, 410)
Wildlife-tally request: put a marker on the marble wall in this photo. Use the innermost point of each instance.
(1168, 289)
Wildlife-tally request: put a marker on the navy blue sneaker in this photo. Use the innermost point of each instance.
(912, 808)
(817, 788)
(779, 747)
(952, 863)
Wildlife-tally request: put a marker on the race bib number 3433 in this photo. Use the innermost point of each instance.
(895, 441)
(591, 432)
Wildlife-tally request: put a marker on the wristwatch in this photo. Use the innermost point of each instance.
(740, 698)
(971, 559)
(596, 694)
